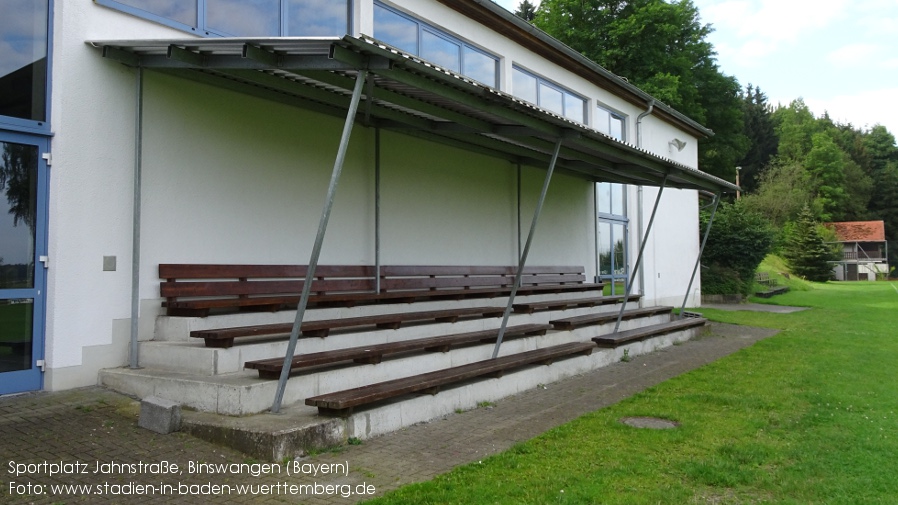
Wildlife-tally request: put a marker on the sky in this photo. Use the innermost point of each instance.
(840, 56)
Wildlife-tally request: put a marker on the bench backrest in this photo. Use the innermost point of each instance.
(201, 281)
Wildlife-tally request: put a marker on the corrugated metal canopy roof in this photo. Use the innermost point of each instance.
(407, 94)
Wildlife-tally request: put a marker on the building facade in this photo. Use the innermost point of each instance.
(126, 144)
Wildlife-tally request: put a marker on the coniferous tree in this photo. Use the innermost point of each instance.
(807, 253)
(526, 11)
(758, 128)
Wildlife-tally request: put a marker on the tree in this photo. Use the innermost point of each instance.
(782, 192)
(807, 253)
(825, 165)
(795, 125)
(526, 11)
(738, 242)
(662, 48)
(758, 129)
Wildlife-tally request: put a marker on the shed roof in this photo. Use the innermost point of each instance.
(860, 231)
(407, 94)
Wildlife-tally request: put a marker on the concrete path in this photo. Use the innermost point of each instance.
(43, 434)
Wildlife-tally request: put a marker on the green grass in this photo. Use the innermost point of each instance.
(807, 416)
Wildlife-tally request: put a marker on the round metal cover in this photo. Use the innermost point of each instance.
(653, 423)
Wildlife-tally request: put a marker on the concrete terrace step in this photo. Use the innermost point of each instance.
(342, 402)
(243, 392)
(571, 323)
(531, 307)
(178, 328)
(373, 354)
(624, 337)
(224, 337)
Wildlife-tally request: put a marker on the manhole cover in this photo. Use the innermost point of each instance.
(653, 423)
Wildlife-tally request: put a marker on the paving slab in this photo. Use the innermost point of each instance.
(90, 438)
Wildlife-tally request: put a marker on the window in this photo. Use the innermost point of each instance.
(548, 95)
(420, 39)
(610, 123)
(245, 18)
(24, 37)
(611, 237)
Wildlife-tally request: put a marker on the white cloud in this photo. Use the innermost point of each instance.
(863, 109)
(855, 55)
(758, 28)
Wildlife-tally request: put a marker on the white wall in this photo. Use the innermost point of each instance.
(232, 178)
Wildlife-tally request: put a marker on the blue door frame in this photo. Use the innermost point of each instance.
(16, 299)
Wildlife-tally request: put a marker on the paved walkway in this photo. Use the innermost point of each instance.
(43, 434)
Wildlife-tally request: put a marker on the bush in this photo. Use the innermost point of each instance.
(738, 242)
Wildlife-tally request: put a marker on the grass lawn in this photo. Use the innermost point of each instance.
(809, 416)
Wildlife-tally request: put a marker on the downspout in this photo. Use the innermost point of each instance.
(134, 360)
(639, 195)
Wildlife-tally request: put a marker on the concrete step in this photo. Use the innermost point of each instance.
(242, 393)
(177, 329)
(193, 357)
(298, 428)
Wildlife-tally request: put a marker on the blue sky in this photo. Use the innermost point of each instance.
(841, 56)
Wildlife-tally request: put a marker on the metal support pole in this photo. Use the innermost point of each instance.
(701, 251)
(376, 210)
(523, 260)
(319, 239)
(135, 224)
(648, 229)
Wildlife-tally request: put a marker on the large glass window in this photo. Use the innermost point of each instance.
(317, 18)
(548, 95)
(440, 50)
(18, 211)
(245, 18)
(612, 236)
(420, 39)
(23, 62)
(610, 123)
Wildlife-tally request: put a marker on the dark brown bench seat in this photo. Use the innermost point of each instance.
(571, 323)
(531, 307)
(627, 336)
(224, 337)
(342, 402)
(271, 368)
(196, 290)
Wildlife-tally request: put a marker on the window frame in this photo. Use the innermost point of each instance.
(16, 124)
(565, 92)
(423, 26)
(612, 220)
(612, 115)
(202, 27)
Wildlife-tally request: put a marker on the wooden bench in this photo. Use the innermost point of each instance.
(571, 323)
(627, 336)
(196, 290)
(764, 279)
(224, 337)
(531, 307)
(372, 354)
(341, 403)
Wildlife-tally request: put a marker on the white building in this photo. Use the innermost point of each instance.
(231, 114)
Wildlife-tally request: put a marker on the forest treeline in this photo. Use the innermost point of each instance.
(790, 158)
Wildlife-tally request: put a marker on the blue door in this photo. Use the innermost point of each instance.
(23, 245)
